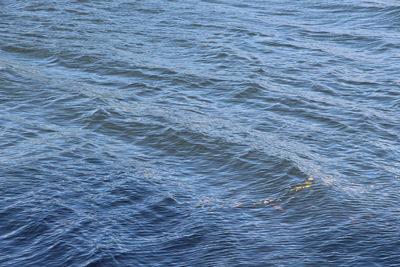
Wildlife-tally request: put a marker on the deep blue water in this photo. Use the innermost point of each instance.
(199, 133)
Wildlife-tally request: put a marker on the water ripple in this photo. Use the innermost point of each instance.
(199, 133)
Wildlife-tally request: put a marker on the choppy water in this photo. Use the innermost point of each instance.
(183, 133)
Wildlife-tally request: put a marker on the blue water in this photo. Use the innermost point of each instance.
(199, 133)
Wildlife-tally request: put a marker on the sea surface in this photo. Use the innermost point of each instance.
(199, 133)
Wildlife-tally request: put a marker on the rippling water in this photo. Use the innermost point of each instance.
(199, 133)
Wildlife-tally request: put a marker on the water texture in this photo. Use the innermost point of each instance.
(199, 133)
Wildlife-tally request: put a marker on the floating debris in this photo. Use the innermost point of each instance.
(308, 183)
(278, 207)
